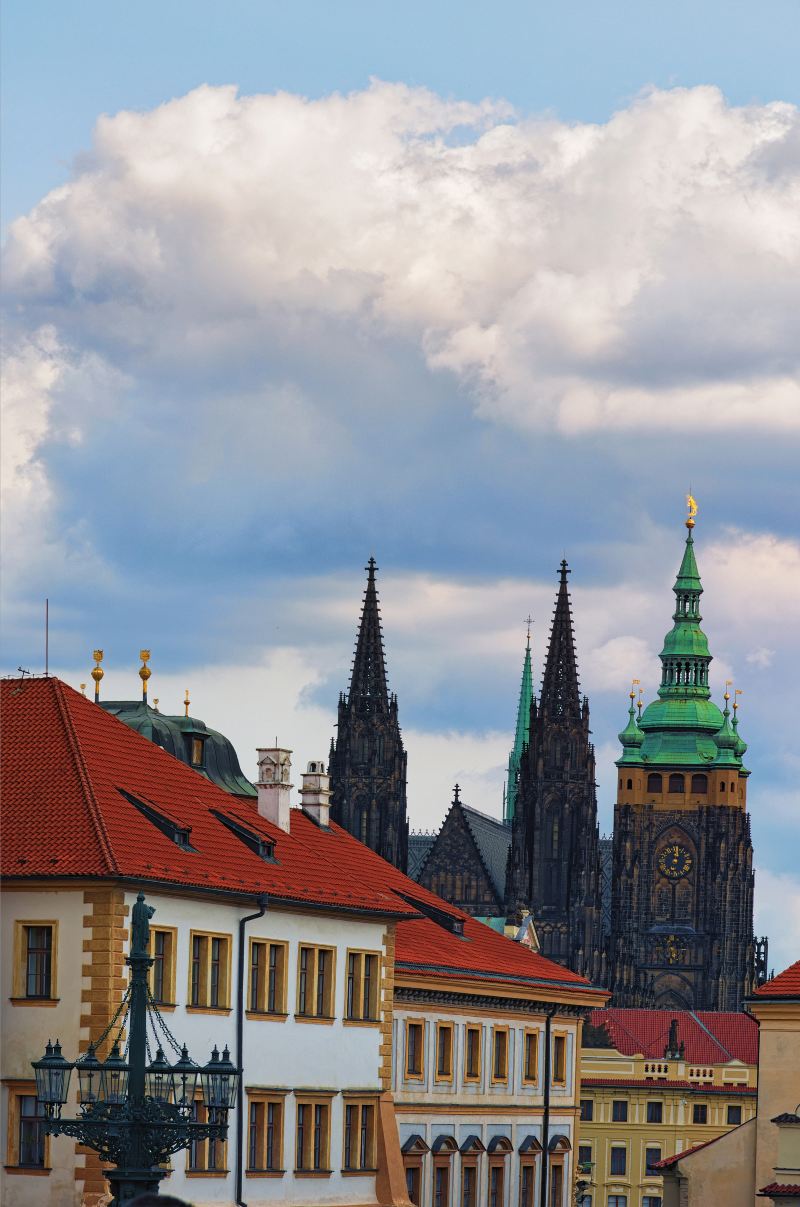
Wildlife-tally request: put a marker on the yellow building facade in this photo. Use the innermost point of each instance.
(654, 1083)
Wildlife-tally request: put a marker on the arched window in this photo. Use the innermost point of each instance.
(554, 837)
(630, 783)
(722, 786)
(700, 784)
(676, 783)
(363, 823)
(653, 782)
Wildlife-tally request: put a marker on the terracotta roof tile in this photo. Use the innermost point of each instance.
(656, 1083)
(709, 1037)
(66, 767)
(781, 1190)
(785, 984)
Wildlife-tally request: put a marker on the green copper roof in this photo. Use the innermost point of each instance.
(174, 734)
(680, 728)
(631, 739)
(521, 735)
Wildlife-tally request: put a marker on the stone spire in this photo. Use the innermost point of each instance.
(368, 689)
(560, 696)
(521, 733)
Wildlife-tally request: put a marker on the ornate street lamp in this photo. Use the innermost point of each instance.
(132, 1113)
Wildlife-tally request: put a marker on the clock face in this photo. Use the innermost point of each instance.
(674, 861)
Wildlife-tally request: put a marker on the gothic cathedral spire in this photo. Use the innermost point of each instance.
(521, 734)
(553, 868)
(367, 760)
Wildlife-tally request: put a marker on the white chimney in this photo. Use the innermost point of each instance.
(274, 789)
(316, 791)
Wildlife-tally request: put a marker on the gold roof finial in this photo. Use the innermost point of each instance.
(727, 695)
(632, 692)
(691, 504)
(155, 703)
(144, 672)
(737, 691)
(186, 702)
(97, 673)
(83, 689)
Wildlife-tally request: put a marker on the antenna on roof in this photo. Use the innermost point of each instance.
(47, 639)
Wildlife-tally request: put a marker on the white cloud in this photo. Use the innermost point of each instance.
(643, 273)
(777, 915)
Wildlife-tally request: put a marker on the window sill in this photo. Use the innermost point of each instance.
(361, 1022)
(325, 1019)
(275, 1016)
(264, 1173)
(31, 1170)
(313, 1173)
(206, 1173)
(358, 1173)
(208, 1009)
(34, 1001)
(443, 1079)
(499, 1081)
(167, 1007)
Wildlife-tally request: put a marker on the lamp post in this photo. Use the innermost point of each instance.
(134, 1114)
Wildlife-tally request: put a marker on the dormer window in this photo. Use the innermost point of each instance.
(173, 830)
(197, 752)
(258, 843)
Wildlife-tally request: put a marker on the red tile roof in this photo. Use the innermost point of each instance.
(655, 1083)
(66, 767)
(785, 984)
(687, 1152)
(708, 1036)
(781, 1190)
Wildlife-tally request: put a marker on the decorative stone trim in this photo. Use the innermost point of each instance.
(387, 1006)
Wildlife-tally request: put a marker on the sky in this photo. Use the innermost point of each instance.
(467, 289)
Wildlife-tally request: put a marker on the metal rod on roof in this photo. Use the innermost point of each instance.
(47, 638)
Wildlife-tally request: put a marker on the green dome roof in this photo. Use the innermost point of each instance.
(631, 738)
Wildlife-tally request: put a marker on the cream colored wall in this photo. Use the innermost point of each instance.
(778, 1077)
(718, 1176)
(26, 1029)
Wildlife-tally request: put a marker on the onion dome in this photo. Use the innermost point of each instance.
(631, 739)
(725, 741)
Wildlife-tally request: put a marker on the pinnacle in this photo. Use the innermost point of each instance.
(560, 695)
(368, 687)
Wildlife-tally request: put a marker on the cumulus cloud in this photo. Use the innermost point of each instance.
(642, 273)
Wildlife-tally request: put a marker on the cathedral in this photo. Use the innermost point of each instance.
(662, 913)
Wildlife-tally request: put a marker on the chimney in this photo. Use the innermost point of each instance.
(316, 791)
(274, 789)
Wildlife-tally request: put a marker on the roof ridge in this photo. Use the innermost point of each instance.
(485, 816)
(710, 1034)
(83, 774)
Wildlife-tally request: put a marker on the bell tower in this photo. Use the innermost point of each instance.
(682, 893)
(367, 762)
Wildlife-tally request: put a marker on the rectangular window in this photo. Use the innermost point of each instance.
(265, 1135)
(559, 1060)
(414, 1056)
(584, 1154)
(312, 1137)
(205, 1156)
(469, 1179)
(441, 1186)
(267, 987)
(444, 1051)
(500, 1054)
(526, 1185)
(585, 1200)
(734, 1115)
(209, 971)
(556, 1185)
(617, 1200)
(655, 1112)
(652, 1156)
(530, 1058)
(472, 1054)
(619, 1110)
(619, 1159)
(699, 1113)
(359, 1136)
(162, 972)
(363, 986)
(496, 1186)
(315, 982)
(413, 1183)
(651, 1200)
(34, 973)
(31, 1132)
(587, 1109)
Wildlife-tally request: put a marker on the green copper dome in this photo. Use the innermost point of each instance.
(680, 728)
(631, 738)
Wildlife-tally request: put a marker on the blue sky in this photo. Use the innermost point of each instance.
(467, 292)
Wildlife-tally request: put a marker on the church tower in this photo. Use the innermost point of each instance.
(521, 734)
(682, 895)
(553, 867)
(367, 761)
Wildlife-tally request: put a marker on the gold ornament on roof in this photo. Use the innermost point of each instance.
(97, 673)
(186, 702)
(144, 672)
(691, 504)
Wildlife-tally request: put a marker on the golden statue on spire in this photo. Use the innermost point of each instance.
(691, 503)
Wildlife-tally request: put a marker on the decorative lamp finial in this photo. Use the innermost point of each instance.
(144, 672)
(97, 674)
(691, 504)
(155, 703)
(187, 702)
(83, 689)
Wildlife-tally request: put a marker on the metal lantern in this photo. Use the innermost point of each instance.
(184, 1079)
(220, 1082)
(88, 1068)
(158, 1078)
(52, 1078)
(114, 1077)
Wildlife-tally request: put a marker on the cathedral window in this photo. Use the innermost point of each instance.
(554, 838)
(676, 783)
(362, 823)
(653, 782)
(700, 784)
